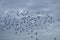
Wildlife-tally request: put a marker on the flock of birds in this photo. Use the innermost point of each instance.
(25, 23)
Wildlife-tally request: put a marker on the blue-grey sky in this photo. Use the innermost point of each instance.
(30, 4)
(51, 7)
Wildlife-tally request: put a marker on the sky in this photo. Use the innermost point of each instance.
(30, 4)
(51, 7)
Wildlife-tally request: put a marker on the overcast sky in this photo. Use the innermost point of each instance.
(46, 6)
(30, 4)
